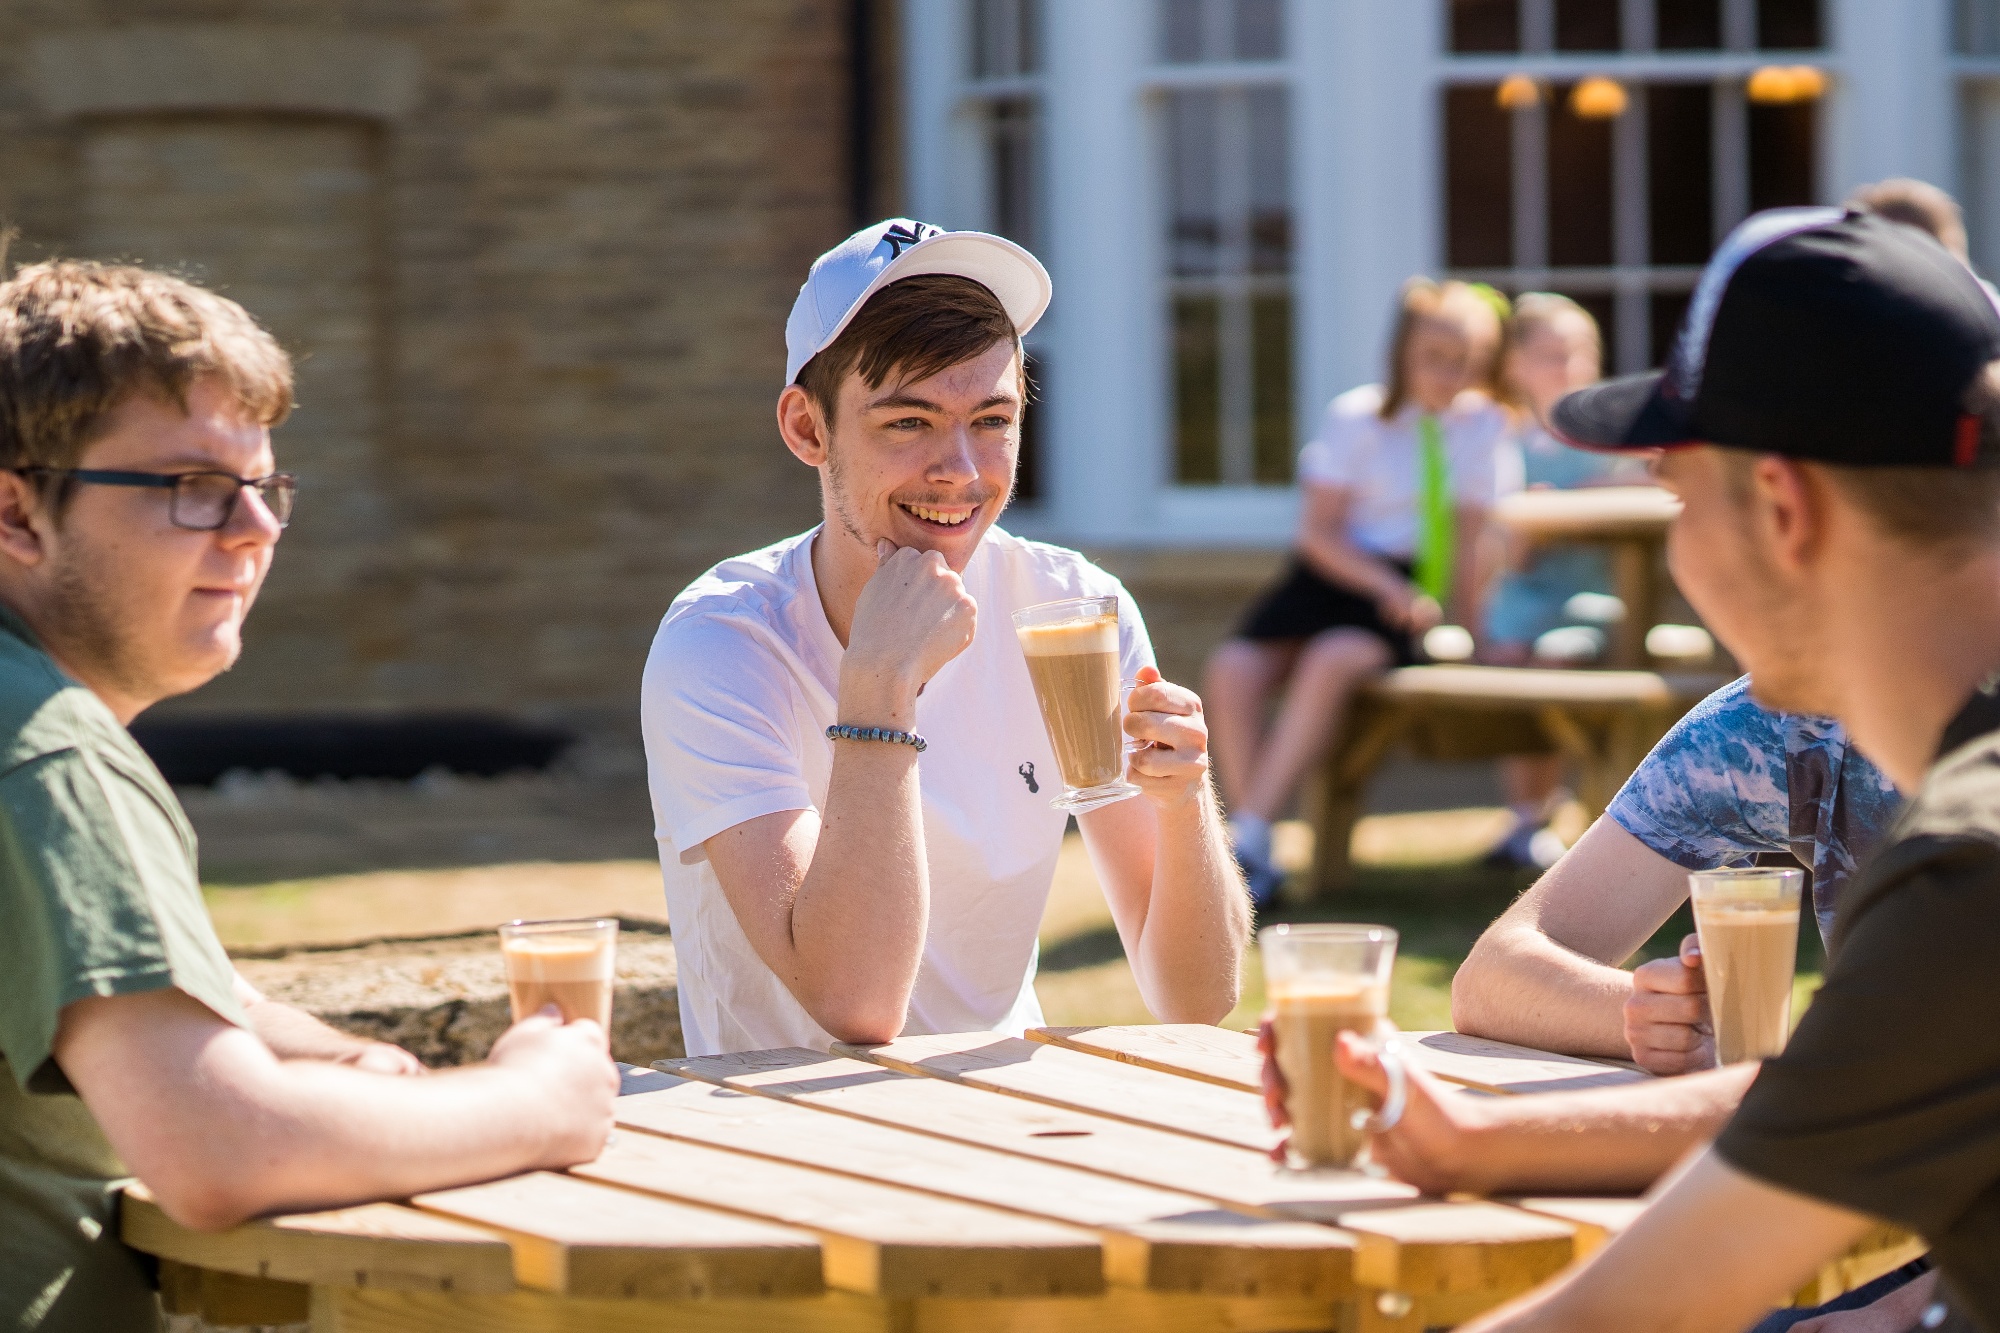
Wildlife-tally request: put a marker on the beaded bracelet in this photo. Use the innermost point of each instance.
(843, 732)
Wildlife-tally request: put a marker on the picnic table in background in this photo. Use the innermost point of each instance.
(1631, 521)
(1088, 1178)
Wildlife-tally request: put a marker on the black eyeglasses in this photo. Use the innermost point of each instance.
(201, 501)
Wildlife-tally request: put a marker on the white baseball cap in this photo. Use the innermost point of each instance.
(842, 279)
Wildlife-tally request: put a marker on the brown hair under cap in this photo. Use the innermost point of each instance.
(78, 338)
(915, 327)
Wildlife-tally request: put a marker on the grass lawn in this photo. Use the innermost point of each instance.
(1419, 873)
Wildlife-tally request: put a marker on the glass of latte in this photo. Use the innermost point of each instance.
(569, 964)
(1322, 980)
(1748, 921)
(1072, 652)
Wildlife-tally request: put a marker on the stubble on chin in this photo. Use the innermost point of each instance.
(88, 628)
(838, 501)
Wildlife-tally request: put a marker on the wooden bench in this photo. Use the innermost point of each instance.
(1604, 722)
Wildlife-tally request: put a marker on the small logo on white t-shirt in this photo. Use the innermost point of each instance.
(1027, 772)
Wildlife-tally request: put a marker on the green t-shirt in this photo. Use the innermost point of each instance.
(98, 896)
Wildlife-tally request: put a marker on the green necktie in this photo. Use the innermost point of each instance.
(1434, 516)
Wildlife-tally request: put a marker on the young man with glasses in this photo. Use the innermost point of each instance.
(827, 882)
(139, 509)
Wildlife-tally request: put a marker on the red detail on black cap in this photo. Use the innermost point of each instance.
(1965, 449)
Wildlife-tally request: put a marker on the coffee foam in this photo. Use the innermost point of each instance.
(1066, 638)
(556, 960)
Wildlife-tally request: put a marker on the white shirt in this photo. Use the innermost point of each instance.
(1380, 462)
(738, 693)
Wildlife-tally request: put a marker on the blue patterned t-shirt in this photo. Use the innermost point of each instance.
(1733, 779)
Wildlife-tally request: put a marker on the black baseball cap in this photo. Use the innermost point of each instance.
(1838, 337)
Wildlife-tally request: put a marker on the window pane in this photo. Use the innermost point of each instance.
(1579, 186)
(1600, 305)
(1180, 30)
(1028, 472)
(1783, 151)
(1976, 27)
(1788, 24)
(1485, 25)
(1688, 25)
(1004, 38)
(1197, 391)
(1270, 182)
(1669, 309)
(1681, 179)
(1587, 25)
(1271, 388)
(1479, 179)
(1196, 228)
(1012, 157)
(1259, 31)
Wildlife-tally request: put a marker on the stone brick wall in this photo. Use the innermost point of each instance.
(535, 259)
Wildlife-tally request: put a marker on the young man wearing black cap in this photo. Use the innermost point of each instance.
(850, 776)
(1831, 418)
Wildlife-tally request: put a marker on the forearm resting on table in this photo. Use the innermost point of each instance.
(1622, 1138)
(221, 1129)
(1518, 985)
(1716, 1249)
(1544, 974)
(1178, 901)
(837, 902)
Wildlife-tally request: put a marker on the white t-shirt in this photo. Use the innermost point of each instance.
(738, 693)
(1378, 461)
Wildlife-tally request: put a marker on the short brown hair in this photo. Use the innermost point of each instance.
(1452, 302)
(1918, 204)
(1951, 511)
(915, 327)
(79, 338)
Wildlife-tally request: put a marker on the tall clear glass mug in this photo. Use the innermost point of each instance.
(1320, 981)
(1748, 921)
(570, 964)
(1072, 652)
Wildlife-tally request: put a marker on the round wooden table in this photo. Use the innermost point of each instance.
(1090, 1179)
(1631, 521)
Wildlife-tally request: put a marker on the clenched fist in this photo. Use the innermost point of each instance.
(1171, 763)
(1666, 1016)
(914, 615)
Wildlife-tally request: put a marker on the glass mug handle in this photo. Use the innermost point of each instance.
(1125, 688)
(1393, 1105)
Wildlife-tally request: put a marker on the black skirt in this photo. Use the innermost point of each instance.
(1304, 604)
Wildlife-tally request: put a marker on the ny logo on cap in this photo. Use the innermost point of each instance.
(899, 236)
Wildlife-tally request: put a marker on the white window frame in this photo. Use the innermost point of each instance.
(1367, 190)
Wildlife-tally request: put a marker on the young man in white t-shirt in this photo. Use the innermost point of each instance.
(829, 890)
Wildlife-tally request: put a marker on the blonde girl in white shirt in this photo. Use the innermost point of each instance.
(1396, 486)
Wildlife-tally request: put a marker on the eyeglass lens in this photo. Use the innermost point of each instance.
(205, 500)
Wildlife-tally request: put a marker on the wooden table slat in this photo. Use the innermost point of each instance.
(1191, 1050)
(1159, 1239)
(582, 1239)
(1045, 1073)
(837, 1312)
(375, 1244)
(1216, 1055)
(876, 1239)
(1600, 513)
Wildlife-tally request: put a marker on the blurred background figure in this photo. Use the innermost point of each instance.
(1396, 486)
(1549, 605)
(1918, 204)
